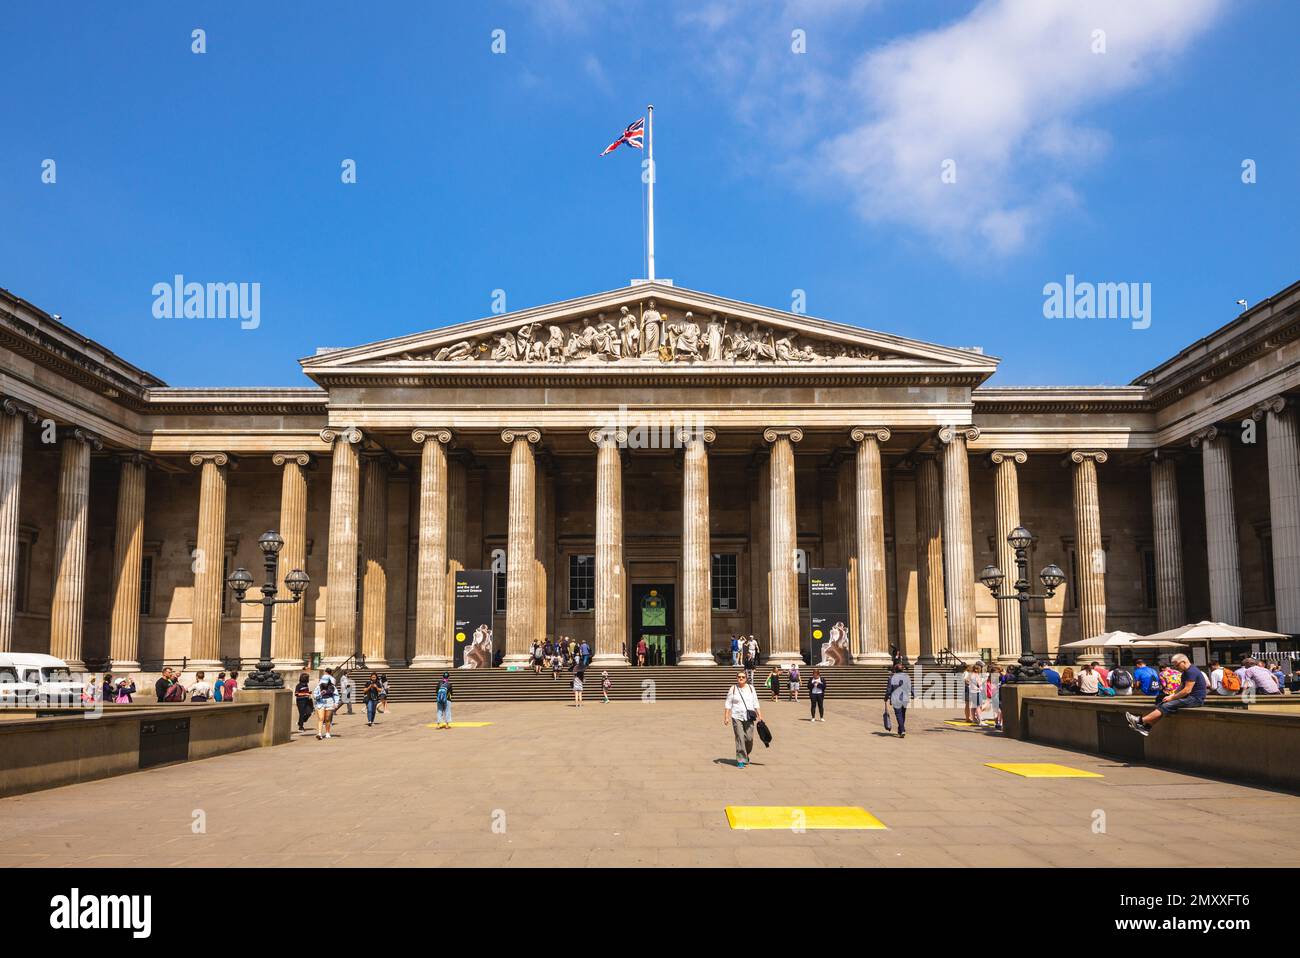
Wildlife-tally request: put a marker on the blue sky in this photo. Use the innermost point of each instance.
(818, 171)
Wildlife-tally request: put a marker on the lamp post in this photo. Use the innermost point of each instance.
(241, 581)
(1029, 669)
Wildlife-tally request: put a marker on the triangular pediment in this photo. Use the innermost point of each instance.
(649, 325)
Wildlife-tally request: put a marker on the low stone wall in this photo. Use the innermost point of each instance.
(61, 747)
(1222, 739)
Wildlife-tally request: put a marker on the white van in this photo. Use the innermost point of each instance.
(27, 678)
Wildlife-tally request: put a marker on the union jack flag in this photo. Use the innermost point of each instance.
(633, 136)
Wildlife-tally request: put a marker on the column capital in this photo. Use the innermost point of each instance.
(84, 435)
(12, 407)
(218, 458)
(704, 434)
(435, 433)
(1078, 456)
(999, 456)
(948, 434)
(773, 433)
(1206, 435)
(863, 433)
(608, 436)
(530, 434)
(1274, 404)
(300, 458)
(1156, 456)
(349, 434)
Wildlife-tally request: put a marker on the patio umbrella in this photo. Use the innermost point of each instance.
(1107, 640)
(1205, 631)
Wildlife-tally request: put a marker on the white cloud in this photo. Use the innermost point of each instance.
(998, 93)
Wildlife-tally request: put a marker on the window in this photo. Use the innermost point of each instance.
(225, 574)
(722, 582)
(1149, 577)
(1072, 597)
(499, 588)
(146, 585)
(24, 574)
(582, 583)
(1266, 557)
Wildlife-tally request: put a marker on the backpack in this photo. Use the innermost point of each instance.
(1121, 679)
(174, 693)
(1231, 681)
(442, 694)
(1105, 690)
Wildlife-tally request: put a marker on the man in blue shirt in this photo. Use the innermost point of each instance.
(1147, 678)
(1189, 696)
(1053, 677)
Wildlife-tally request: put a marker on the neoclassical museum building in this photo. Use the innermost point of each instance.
(650, 446)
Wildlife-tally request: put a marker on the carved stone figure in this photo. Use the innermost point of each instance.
(650, 331)
(713, 342)
(631, 331)
(506, 349)
(687, 342)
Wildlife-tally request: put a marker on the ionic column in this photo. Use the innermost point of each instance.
(871, 645)
(457, 540)
(433, 639)
(1171, 603)
(521, 545)
(1284, 509)
(1220, 526)
(1090, 556)
(1006, 516)
(374, 559)
(12, 414)
(958, 553)
(67, 611)
(846, 501)
(341, 581)
(932, 620)
(784, 577)
(610, 646)
(697, 593)
(128, 556)
(287, 647)
(210, 551)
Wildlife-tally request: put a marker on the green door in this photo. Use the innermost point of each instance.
(652, 620)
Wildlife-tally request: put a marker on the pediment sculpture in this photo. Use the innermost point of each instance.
(648, 337)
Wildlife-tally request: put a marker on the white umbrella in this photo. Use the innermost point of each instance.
(1107, 640)
(1205, 631)
(1158, 644)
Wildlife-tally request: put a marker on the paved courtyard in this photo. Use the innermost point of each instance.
(644, 784)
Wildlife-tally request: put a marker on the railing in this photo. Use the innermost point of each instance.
(949, 659)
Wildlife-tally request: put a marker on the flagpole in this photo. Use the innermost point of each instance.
(650, 220)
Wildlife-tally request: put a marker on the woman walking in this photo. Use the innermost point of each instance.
(383, 693)
(371, 697)
(302, 695)
(742, 712)
(994, 689)
(899, 696)
(794, 682)
(974, 692)
(327, 700)
(817, 696)
(774, 683)
(577, 690)
(605, 686)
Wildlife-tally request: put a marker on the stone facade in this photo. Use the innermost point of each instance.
(647, 438)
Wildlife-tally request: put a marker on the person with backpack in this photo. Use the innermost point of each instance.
(327, 701)
(302, 695)
(1121, 680)
(370, 696)
(794, 682)
(165, 681)
(444, 702)
(200, 691)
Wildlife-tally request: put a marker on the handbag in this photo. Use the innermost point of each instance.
(888, 727)
(765, 734)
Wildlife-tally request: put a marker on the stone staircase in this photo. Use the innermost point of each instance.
(629, 684)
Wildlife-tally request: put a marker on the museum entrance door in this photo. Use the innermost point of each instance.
(652, 620)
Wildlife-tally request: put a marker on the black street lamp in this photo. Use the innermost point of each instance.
(241, 581)
(1029, 669)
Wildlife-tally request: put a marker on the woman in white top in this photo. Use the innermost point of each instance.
(742, 712)
(974, 692)
(201, 690)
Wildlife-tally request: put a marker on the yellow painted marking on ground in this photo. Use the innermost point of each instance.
(787, 817)
(460, 724)
(1042, 770)
(962, 723)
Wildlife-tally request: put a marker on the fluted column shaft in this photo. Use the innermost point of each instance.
(611, 641)
(521, 545)
(374, 560)
(1090, 556)
(1006, 516)
(433, 638)
(697, 593)
(287, 649)
(1284, 510)
(12, 415)
(341, 584)
(128, 556)
(457, 549)
(1220, 526)
(871, 645)
(210, 552)
(932, 620)
(67, 611)
(1171, 601)
(958, 553)
(784, 582)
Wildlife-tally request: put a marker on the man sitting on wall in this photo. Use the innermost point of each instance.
(1189, 696)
